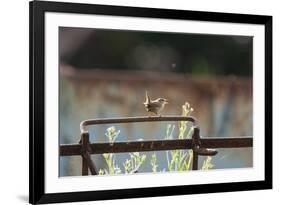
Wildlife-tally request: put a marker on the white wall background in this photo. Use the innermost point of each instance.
(14, 43)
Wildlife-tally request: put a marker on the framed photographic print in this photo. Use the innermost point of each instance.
(140, 102)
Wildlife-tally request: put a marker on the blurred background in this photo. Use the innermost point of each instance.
(105, 73)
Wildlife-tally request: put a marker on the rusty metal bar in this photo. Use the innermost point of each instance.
(86, 158)
(84, 166)
(90, 163)
(85, 123)
(70, 149)
(158, 145)
(235, 142)
(195, 161)
(84, 142)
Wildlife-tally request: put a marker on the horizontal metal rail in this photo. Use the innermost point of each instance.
(85, 123)
(158, 145)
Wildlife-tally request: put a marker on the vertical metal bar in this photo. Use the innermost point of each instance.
(87, 162)
(84, 141)
(84, 167)
(195, 161)
(195, 145)
(90, 163)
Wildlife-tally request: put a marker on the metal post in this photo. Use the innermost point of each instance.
(195, 161)
(84, 142)
(195, 146)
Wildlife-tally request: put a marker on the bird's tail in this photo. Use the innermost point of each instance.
(147, 100)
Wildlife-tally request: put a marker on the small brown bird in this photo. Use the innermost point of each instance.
(155, 106)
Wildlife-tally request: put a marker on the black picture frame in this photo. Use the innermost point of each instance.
(37, 11)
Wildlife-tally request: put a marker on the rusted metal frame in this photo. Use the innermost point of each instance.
(156, 145)
(85, 123)
(199, 148)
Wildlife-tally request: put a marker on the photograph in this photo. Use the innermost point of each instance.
(140, 102)
(130, 102)
(147, 77)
